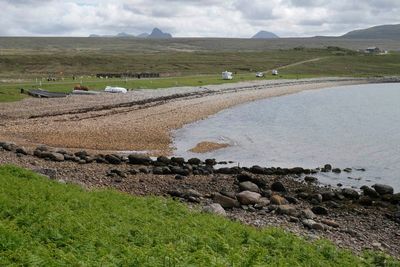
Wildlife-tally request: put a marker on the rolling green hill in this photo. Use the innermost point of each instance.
(377, 32)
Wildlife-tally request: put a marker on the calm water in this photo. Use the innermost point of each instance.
(352, 126)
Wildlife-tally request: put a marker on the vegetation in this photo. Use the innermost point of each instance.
(46, 223)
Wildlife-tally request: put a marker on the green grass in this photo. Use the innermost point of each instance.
(44, 223)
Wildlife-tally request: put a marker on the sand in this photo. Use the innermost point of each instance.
(138, 121)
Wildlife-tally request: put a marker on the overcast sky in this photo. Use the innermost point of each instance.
(193, 18)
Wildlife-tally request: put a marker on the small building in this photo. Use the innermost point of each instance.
(227, 75)
(372, 50)
(260, 74)
(275, 72)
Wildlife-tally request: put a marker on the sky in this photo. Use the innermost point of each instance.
(194, 18)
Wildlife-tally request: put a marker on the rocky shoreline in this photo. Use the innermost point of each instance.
(368, 218)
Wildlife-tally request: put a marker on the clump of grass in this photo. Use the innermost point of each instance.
(45, 223)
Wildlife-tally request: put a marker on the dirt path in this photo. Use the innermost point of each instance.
(298, 63)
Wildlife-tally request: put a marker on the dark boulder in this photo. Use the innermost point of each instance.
(158, 171)
(319, 210)
(178, 160)
(278, 187)
(328, 167)
(370, 192)
(310, 179)
(350, 193)
(21, 150)
(164, 160)
(139, 159)
(336, 170)
(258, 170)
(179, 170)
(383, 189)
(233, 170)
(225, 201)
(194, 161)
(211, 162)
(113, 159)
(81, 154)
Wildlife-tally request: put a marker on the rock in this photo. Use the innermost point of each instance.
(370, 192)
(210, 162)
(311, 224)
(227, 170)
(178, 160)
(310, 179)
(278, 187)
(287, 210)
(194, 161)
(330, 223)
(9, 146)
(43, 148)
(51, 173)
(81, 154)
(228, 193)
(248, 197)
(113, 159)
(396, 198)
(21, 150)
(52, 156)
(249, 186)
(348, 170)
(327, 196)
(179, 177)
(278, 200)
(192, 193)
(179, 170)
(319, 210)
(118, 172)
(140, 159)
(383, 189)
(328, 167)
(144, 170)
(133, 172)
(225, 201)
(262, 202)
(308, 214)
(293, 219)
(292, 200)
(316, 198)
(164, 160)
(215, 208)
(158, 171)
(259, 181)
(258, 170)
(350, 193)
(365, 201)
(336, 170)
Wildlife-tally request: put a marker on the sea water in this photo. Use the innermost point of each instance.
(354, 127)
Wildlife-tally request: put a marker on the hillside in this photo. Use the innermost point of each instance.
(377, 32)
(45, 223)
(265, 35)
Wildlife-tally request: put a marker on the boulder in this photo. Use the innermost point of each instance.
(278, 187)
(311, 224)
(158, 171)
(263, 202)
(248, 197)
(278, 200)
(9, 146)
(336, 170)
(383, 189)
(308, 214)
(310, 179)
(327, 196)
(287, 210)
(215, 208)
(164, 160)
(21, 150)
(139, 159)
(225, 201)
(210, 162)
(113, 159)
(179, 170)
(178, 160)
(350, 193)
(328, 167)
(81, 154)
(365, 201)
(330, 223)
(233, 170)
(319, 210)
(249, 186)
(194, 161)
(370, 192)
(348, 170)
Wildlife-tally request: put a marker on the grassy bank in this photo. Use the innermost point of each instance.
(45, 223)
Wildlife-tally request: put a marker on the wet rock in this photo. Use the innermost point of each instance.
(316, 198)
(370, 192)
(319, 210)
(139, 159)
(310, 179)
(53, 156)
(194, 161)
(248, 197)
(113, 159)
(278, 200)
(262, 202)
(249, 186)
(233, 170)
(43, 148)
(215, 208)
(178, 160)
(259, 181)
(118, 173)
(8, 146)
(350, 193)
(228, 194)
(144, 170)
(308, 214)
(258, 170)
(225, 201)
(396, 198)
(292, 200)
(132, 171)
(348, 170)
(330, 223)
(287, 210)
(383, 189)
(336, 170)
(164, 160)
(328, 167)
(278, 187)
(210, 162)
(179, 177)
(179, 170)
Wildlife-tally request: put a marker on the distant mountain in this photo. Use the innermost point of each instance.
(377, 32)
(143, 35)
(124, 34)
(265, 35)
(94, 35)
(159, 34)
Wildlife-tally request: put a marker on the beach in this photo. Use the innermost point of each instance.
(141, 120)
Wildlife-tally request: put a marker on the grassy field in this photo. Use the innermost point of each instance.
(45, 223)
